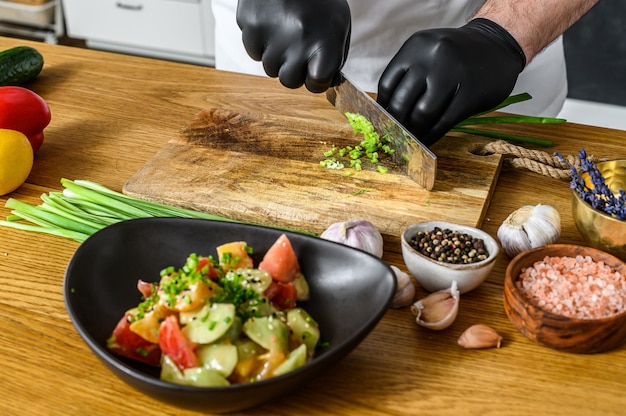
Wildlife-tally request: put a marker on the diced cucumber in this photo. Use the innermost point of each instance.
(302, 287)
(304, 328)
(204, 377)
(210, 323)
(196, 376)
(170, 371)
(256, 279)
(296, 358)
(220, 357)
(234, 332)
(185, 317)
(267, 331)
(258, 307)
(247, 349)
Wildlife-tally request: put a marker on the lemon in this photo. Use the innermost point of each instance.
(16, 160)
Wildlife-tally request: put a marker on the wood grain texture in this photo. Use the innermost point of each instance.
(265, 169)
(111, 114)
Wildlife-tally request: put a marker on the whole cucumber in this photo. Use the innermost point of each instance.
(19, 65)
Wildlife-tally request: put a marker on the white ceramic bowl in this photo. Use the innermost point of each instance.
(435, 275)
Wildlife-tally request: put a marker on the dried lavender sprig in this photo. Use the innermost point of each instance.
(600, 196)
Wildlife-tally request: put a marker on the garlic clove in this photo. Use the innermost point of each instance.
(439, 309)
(529, 227)
(405, 289)
(480, 336)
(357, 233)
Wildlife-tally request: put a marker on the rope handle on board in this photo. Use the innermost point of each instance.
(533, 160)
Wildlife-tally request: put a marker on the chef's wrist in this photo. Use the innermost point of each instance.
(499, 35)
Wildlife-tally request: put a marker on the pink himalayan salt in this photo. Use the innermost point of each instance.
(575, 287)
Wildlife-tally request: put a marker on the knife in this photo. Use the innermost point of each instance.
(410, 155)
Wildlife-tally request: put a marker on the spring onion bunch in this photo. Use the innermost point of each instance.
(84, 207)
(467, 125)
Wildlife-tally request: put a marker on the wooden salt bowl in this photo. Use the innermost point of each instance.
(560, 332)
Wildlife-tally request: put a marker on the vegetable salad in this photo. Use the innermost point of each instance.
(221, 322)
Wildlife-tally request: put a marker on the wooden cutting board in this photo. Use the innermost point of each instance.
(266, 169)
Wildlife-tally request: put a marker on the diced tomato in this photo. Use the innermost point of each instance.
(174, 343)
(204, 261)
(130, 345)
(145, 288)
(280, 261)
(272, 290)
(286, 297)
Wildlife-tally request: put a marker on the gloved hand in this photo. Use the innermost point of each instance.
(440, 77)
(298, 41)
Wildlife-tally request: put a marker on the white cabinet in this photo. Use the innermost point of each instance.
(181, 30)
(32, 19)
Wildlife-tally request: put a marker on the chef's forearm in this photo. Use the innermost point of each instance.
(535, 23)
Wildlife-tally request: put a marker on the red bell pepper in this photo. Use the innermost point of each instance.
(23, 110)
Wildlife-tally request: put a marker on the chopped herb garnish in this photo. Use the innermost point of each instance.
(361, 191)
(369, 148)
(229, 259)
(233, 288)
(204, 318)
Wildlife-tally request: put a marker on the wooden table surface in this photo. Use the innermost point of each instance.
(111, 113)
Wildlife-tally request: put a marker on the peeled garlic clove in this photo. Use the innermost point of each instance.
(480, 336)
(405, 289)
(439, 309)
(529, 227)
(357, 233)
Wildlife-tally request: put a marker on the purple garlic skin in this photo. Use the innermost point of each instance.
(356, 233)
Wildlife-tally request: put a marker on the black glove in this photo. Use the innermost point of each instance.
(440, 77)
(298, 41)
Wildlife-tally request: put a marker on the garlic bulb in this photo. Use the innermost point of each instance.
(405, 289)
(439, 309)
(356, 233)
(529, 227)
(480, 336)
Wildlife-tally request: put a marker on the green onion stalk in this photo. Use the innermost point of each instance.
(84, 207)
(482, 119)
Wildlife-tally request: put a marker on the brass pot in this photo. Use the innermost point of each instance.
(599, 229)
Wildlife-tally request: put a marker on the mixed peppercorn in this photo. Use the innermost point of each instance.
(450, 246)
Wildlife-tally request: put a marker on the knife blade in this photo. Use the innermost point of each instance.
(411, 156)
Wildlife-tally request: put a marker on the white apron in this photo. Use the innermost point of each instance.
(380, 27)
